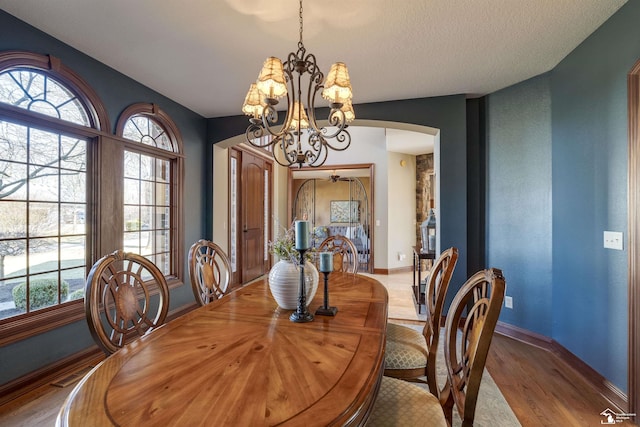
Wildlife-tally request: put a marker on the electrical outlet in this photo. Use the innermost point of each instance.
(508, 302)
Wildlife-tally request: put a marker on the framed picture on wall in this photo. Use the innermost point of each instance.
(344, 211)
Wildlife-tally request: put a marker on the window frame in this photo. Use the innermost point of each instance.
(176, 158)
(25, 325)
(101, 142)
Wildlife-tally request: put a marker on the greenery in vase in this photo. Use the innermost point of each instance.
(284, 246)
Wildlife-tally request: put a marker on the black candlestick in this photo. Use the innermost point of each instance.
(326, 310)
(301, 314)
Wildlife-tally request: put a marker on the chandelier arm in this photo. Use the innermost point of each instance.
(311, 67)
(315, 163)
(315, 141)
(337, 119)
(286, 146)
(320, 153)
(315, 83)
(269, 120)
(256, 130)
(343, 137)
(290, 65)
(297, 130)
(281, 148)
(289, 68)
(255, 133)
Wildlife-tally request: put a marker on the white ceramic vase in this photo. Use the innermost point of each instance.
(284, 283)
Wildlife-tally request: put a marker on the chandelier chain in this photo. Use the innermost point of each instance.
(300, 18)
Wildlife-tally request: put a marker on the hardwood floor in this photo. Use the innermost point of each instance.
(540, 388)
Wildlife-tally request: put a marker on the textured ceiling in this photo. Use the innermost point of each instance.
(205, 53)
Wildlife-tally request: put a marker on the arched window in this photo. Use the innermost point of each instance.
(152, 186)
(49, 121)
(36, 91)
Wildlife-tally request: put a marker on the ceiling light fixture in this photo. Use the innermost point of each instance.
(288, 146)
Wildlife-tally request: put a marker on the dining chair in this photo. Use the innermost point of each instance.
(209, 271)
(411, 354)
(126, 296)
(469, 327)
(345, 254)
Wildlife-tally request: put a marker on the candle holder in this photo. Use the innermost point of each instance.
(325, 310)
(301, 315)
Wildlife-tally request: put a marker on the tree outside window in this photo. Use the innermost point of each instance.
(43, 198)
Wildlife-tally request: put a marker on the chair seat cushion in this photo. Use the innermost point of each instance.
(400, 403)
(400, 355)
(404, 334)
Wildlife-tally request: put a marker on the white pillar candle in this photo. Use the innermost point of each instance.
(326, 262)
(302, 235)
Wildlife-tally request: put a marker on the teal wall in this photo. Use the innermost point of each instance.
(117, 92)
(589, 122)
(556, 179)
(518, 213)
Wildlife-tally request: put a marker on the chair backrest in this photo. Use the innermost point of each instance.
(345, 254)
(120, 299)
(435, 296)
(469, 327)
(209, 271)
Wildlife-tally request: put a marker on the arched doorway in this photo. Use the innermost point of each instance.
(282, 196)
(336, 201)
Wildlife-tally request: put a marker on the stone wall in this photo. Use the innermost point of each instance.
(425, 186)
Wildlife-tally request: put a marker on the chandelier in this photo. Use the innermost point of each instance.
(287, 142)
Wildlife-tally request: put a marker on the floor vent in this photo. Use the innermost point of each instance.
(72, 378)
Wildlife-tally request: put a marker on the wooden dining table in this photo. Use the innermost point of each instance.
(240, 361)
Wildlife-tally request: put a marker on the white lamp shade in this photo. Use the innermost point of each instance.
(298, 114)
(337, 86)
(271, 79)
(253, 104)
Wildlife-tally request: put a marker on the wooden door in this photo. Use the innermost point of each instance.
(252, 191)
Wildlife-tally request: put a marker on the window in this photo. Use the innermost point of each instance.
(150, 171)
(48, 122)
(66, 185)
(43, 206)
(36, 91)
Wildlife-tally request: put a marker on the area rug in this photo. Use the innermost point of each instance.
(492, 410)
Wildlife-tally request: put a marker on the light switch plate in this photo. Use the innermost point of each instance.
(508, 302)
(613, 240)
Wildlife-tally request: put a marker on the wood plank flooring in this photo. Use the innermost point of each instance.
(540, 388)
(37, 408)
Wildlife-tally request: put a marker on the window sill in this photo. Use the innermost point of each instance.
(28, 325)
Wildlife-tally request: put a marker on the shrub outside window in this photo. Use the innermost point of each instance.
(43, 197)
